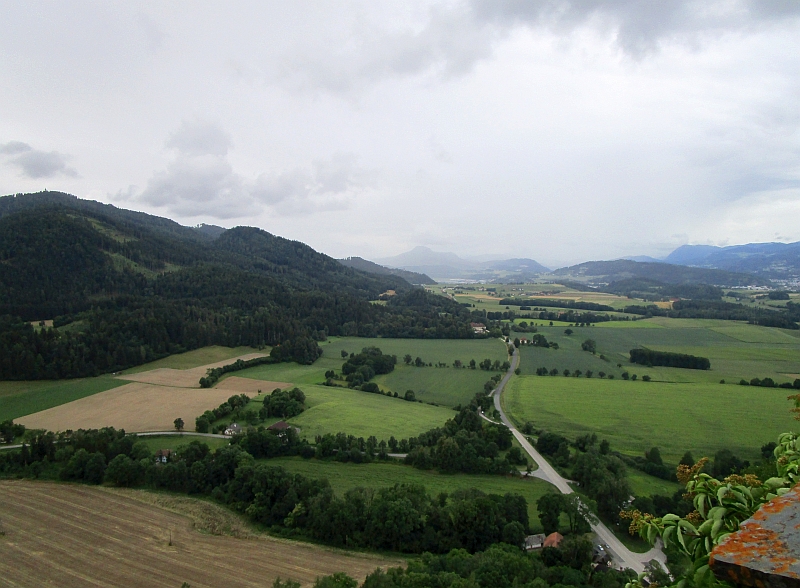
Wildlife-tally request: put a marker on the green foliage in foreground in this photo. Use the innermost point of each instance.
(635, 416)
(720, 508)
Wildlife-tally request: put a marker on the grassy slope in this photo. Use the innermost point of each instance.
(736, 350)
(635, 416)
(22, 398)
(195, 358)
(174, 441)
(645, 485)
(334, 410)
(444, 386)
(343, 476)
(430, 350)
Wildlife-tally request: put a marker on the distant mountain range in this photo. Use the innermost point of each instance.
(441, 265)
(768, 260)
(665, 273)
(373, 268)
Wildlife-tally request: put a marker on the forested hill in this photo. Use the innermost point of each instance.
(373, 268)
(125, 288)
(623, 269)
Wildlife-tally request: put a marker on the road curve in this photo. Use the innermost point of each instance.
(623, 555)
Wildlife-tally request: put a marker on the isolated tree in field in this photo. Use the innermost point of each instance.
(178, 422)
(566, 373)
(408, 359)
(589, 345)
(418, 362)
(344, 354)
(568, 332)
(601, 374)
(472, 364)
(457, 363)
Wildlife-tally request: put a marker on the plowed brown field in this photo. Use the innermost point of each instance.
(78, 536)
(134, 407)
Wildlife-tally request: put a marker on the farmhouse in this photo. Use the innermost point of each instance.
(163, 455)
(280, 426)
(478, 328)
(233, 429)
(534, 541)
(553, 540)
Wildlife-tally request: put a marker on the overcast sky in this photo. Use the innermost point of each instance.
(561, 131)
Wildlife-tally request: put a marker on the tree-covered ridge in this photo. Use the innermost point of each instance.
(124, 289)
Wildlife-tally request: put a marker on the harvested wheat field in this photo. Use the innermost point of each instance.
(134, 407)
(76, 536)
(182, 378)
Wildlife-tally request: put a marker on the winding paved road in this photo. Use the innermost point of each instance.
(622, 555)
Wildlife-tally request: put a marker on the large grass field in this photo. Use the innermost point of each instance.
(173, 442)
(635, 416)
(736, 350)
(22, 398)
(444, 386)
(340, 410)
(344, 476)
(429, 350)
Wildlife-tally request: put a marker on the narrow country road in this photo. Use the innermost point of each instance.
(622, 555)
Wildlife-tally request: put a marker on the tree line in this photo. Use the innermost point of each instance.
(402, 518)
(649, 357)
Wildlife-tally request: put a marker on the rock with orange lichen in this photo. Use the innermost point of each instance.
(765, 551)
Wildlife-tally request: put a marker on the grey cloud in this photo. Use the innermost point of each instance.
(453, 38)
(201, 181)
(191, 186)
(37, 164)
(641, 24)
(14, 147)
(200, 137)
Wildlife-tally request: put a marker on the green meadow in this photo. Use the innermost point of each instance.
(343, 476)
(635, 416)
(195, 358)
(173, 442)
(736, 350)
(22, 398)
(444, 386)
(340, 410)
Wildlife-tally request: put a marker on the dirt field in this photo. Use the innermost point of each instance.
(134, 407)
(181, 378)
(76, 536)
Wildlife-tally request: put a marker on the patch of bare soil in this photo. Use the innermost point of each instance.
(77, 536)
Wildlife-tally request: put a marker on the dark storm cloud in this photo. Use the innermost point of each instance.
(36, 164)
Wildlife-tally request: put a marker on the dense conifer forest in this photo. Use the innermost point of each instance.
(124, 288)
